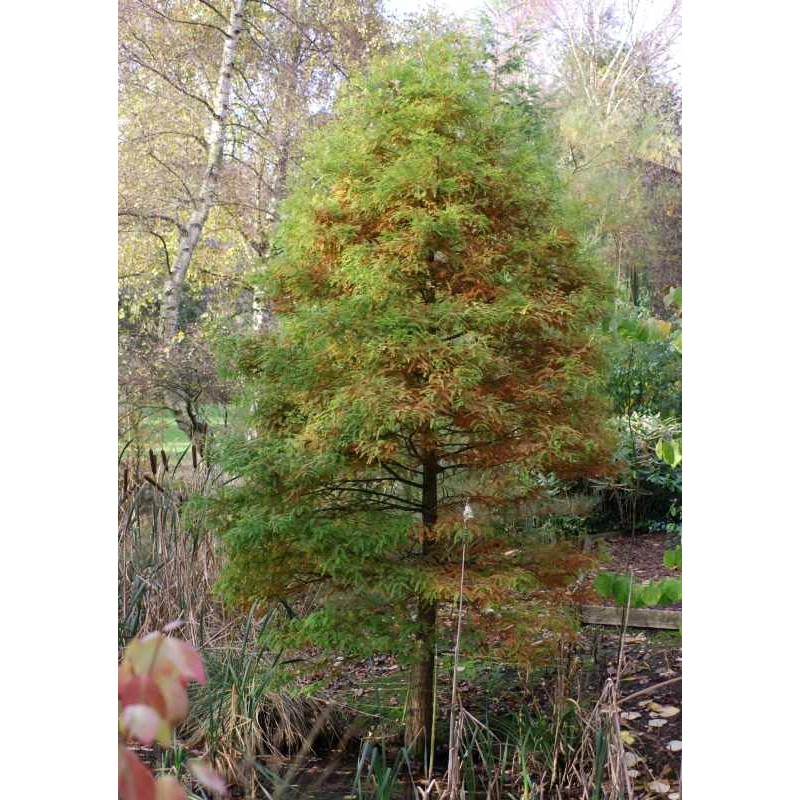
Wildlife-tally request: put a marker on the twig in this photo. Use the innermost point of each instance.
(452, 766)
(649, 689)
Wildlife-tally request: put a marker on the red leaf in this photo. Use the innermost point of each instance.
(134, 779)
(140, 690)
(166, 664)
(172, 687)
(142, 722)
(208, 778)
(187, 659)
(169, 788)
(155, 650)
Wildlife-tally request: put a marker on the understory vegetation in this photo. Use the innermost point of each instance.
(400, 425)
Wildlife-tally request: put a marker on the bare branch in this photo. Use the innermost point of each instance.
(161, 14)
(144, 215)
(166, 249)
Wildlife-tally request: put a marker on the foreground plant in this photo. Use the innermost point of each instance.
(153, 677)
(436, 342)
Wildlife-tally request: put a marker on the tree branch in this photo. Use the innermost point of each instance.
(161, 14)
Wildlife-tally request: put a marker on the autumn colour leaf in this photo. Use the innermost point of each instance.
(156, 670)
(152, 698)
(156, 650)
(208, 778)
(437, 342)
(169, 788)
(139, 689)
(142, 722)
(135, 780)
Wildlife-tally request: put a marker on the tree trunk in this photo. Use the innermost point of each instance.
(184, 409)
(190, 234)
(262, 309)
(419, 706)
(189, 420)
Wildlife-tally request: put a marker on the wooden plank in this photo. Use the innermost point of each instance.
(637, 617)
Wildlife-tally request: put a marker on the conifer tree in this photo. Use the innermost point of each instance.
(436, 344)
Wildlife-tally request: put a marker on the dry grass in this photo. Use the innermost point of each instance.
(164, 571)
(241, 720)
(598, 768)
(167, 572)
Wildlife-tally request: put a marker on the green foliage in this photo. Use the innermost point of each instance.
(559, 513)
(644, 489)
(520, 752)
(645, 376)
(669, 451)
(437, 340)
(653, 593)
(673, 558)
(376, 778)
(674, 298)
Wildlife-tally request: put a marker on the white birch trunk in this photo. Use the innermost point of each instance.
(186, 413)
(190, 235)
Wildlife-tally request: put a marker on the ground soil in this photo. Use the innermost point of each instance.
(373, 691)
(651, 669)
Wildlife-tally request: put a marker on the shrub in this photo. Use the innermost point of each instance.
(153, 677)
(645, 491)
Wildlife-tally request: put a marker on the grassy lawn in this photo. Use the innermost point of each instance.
(159, 431)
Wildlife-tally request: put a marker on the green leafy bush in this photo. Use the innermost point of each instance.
(644, 491)
(645, 375)
(653, 593)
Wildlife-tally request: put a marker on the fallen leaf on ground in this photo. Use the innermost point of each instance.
(669, 711)
(629, 715)
(627, 737)
(675, 745)
(655, 707)
(656, 723)
(635, 638)
(658, 786)
(630, 759)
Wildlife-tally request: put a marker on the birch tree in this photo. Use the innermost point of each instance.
(206, 197)
(206, 146)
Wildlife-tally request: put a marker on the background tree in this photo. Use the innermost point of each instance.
(218, 108)
(437, 344)
(198, 188)
(605, 71)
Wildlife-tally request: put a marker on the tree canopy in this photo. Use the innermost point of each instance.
(436, 343)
